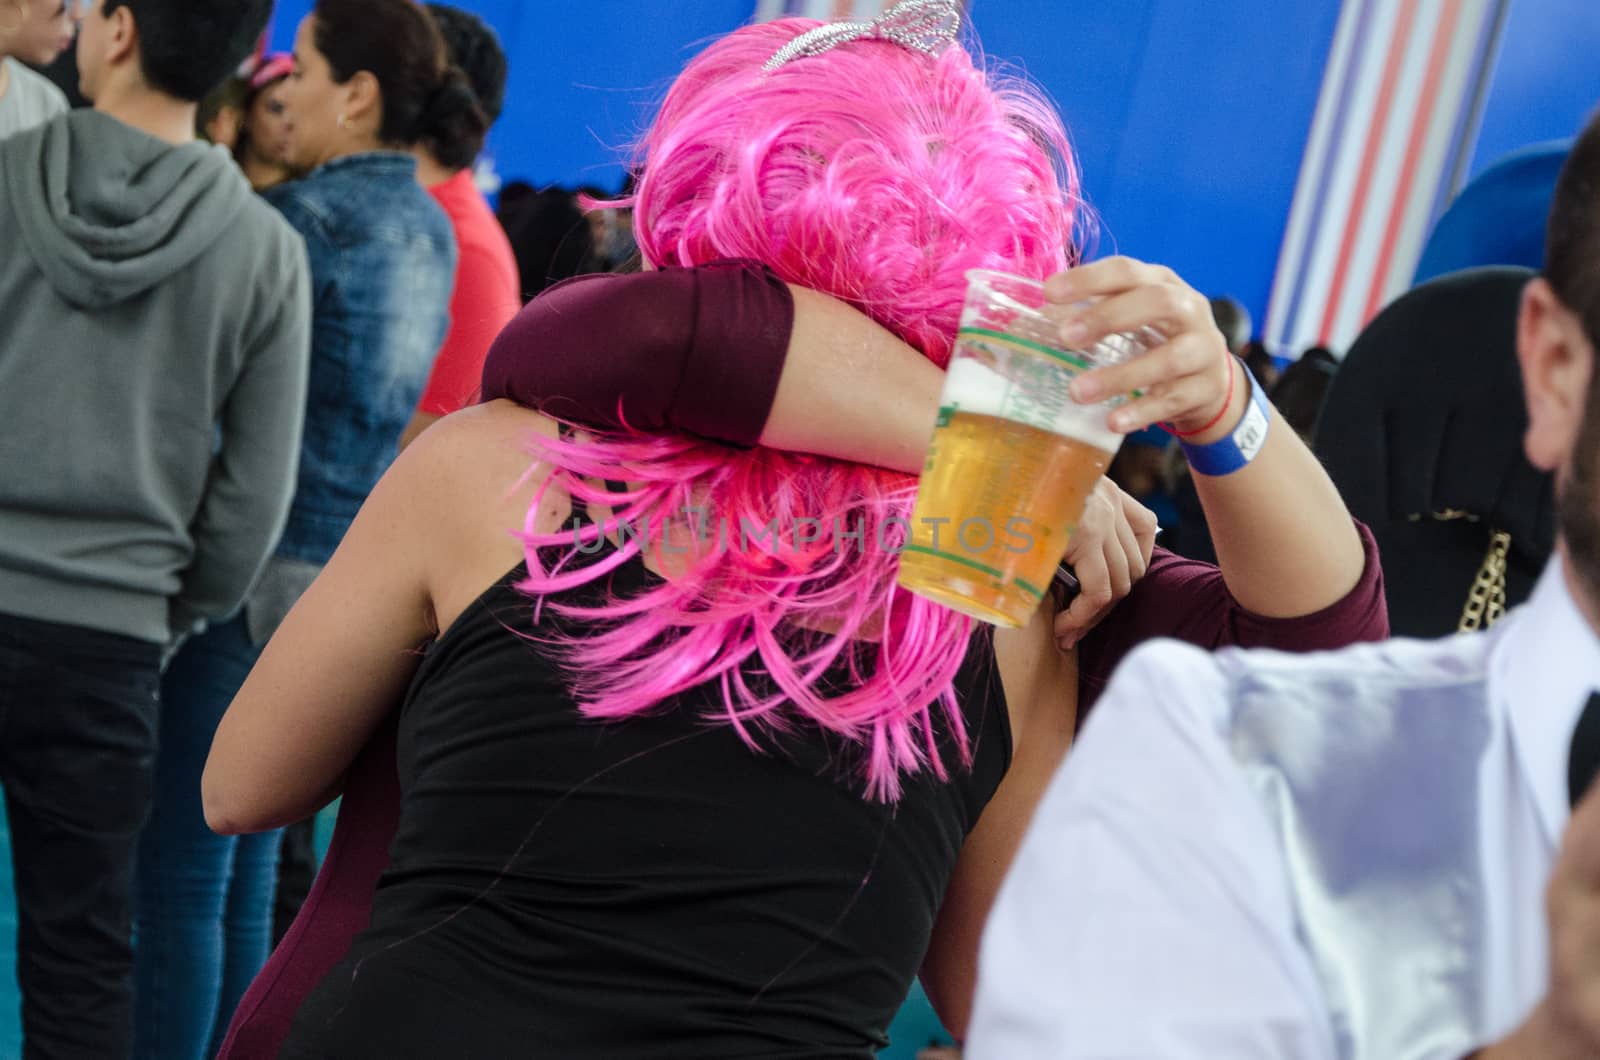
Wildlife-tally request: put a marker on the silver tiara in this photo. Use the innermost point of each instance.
(927, 26)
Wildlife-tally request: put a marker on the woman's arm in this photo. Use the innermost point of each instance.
(712, 351)
(1285, 542)
(842, 386)
(730, 352)
(437, 530)
(339, 662)
(1041, 696)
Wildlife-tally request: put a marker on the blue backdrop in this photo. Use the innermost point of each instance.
(1189, 138)
(1547, 81)
(1189, 119)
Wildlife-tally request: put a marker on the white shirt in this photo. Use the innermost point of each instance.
(30, 99)
(1151, 912)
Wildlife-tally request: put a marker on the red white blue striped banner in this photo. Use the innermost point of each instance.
(1389, 145)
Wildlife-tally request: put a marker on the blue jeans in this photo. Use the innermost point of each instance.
(205, 901)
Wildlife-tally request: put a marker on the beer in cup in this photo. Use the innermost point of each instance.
(1013, 458)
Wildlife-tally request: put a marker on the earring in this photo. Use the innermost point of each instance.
(339, 121)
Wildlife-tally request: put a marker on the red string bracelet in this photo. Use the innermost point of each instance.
(1223, 411)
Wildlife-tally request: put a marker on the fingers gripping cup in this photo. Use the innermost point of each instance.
(1013, 458)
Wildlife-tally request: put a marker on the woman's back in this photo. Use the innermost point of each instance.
(647, 887)
(382, 265)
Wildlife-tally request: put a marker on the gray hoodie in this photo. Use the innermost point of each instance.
(154, 341)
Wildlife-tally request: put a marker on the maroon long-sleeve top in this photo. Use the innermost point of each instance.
(701, 350)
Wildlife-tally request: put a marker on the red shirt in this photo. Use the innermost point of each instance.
(488, 293)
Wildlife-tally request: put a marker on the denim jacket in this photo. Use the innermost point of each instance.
(383, 260)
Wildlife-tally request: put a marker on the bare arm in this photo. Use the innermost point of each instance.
(1041, 695)
(336, 666)
(420, 421)
(851, 389)
(1285, 542)
(730, 352)
(432, 535)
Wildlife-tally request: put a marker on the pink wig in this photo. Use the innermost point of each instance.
(877, 175)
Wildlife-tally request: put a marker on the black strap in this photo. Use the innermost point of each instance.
(1583, 761)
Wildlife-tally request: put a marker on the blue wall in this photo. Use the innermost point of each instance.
(1548, 79)
(1189, 118)
(585, 77)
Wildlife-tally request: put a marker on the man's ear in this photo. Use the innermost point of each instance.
(122, 36)
(1557, 361)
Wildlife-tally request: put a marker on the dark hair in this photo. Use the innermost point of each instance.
(1572, 236)
(548, 235)
(425, 100)
(1302, 390)
(233, 94)
(1259, 360)
(1572, 268)
(472, 45)
(1233, 320)
(187, 47)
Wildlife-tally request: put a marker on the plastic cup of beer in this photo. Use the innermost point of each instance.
(1013, 458)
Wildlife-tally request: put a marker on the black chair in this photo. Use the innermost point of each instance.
(1422, 433)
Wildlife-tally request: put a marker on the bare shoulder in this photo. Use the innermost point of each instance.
(472, 478)
(474, 461)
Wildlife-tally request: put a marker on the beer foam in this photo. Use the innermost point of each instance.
(974, 387)
(971, 386)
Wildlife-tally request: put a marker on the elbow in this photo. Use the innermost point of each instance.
(950, 991)
(226, 813)
(220, 821)
(220, 816)
(954, 1015)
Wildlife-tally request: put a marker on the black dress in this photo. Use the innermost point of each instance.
(561, 887)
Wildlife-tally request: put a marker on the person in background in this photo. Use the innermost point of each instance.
(1143, 469)
(487, 289)
(261, 148)
(34, 32)
(610, 226)
(1342, 854)
(153, 361)
(221, 113)
(485, 297)
(1233, 320)
(247, 116)
(549, 234)
(1302, 390)
(1259, 360)
(371, 81)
